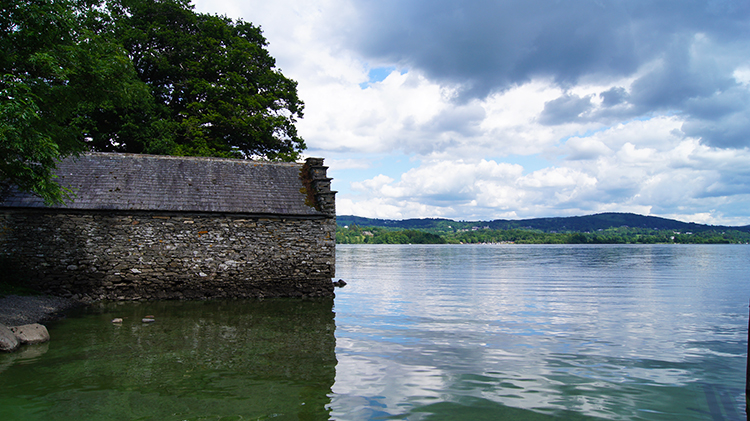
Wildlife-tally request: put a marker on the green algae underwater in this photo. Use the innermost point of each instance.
(198, 360)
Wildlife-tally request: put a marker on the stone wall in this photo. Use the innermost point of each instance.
(152, 255)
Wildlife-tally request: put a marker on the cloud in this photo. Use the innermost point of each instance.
(347, 164)
(463, 119)
(486, 45)
(666, 56)
(386, 116)
(490, 45)
(721, 119)
(568, 108)
(644, 166)
(684, 54)
(587, 148)
(614, 96)
(511, 109)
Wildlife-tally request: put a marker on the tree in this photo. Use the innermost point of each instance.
(28, 153)
(53, 71)
(215, 89)
(142, 76)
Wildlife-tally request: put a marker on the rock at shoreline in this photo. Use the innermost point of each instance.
(16, 310)
(25, 312)
(8, 340)
(31, 334)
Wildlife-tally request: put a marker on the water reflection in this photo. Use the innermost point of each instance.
(26, 354)
(541, 332)
(198, 360)
(420, 333)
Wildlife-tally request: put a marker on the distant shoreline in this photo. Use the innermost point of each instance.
(355, 234)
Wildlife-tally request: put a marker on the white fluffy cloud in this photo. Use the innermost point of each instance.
(646, 167)
(655, 122)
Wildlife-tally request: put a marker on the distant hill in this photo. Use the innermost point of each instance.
(589, 223)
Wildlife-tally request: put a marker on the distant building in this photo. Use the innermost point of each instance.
(143, 227)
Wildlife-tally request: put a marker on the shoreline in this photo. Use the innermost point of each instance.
(17, 310)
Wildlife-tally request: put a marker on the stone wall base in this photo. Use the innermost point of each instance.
(151, 255)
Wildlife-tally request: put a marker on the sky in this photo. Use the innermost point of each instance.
(481, 110)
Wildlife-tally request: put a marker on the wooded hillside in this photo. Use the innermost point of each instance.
(605, 228)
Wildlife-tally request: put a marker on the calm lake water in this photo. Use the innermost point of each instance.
(471, 332)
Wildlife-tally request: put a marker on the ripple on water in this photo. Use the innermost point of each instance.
(616, 332)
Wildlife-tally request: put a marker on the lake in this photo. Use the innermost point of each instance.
(617, 332)
(444, 332)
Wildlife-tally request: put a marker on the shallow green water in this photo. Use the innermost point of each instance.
(198, 361)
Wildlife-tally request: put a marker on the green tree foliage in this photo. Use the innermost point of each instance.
(589, 223)
(147, 76)
(407, 237)
(54, 69)
(379, 235)
(517, 236)
(382, 235)
(28, 153)
(215, 89)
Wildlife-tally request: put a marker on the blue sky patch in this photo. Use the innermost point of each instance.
(377, 74)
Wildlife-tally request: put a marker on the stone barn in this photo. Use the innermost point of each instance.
(159, 227)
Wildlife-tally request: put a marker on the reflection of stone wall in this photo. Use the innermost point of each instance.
(133, 255)
(199, 360)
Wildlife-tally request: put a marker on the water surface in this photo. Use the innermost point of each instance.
(210, 360)
(614, 332)
(448, 332)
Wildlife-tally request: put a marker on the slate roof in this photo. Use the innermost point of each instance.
(106, 181)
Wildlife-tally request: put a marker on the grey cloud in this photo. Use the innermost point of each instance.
(462, 119)
(719, 104)
(722, 119)
(681, 77)
(730, 182)
(614, 96)
(448, 198)
(441, 132)
(732, 131)
(565, 109)
(491, 44)
(488, 46)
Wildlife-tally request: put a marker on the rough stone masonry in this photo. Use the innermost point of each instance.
(151, 227)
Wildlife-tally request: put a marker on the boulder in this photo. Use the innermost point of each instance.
(8, 341)
(31, 334)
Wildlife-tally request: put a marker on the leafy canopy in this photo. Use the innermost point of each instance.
(53, 70)
(139, 76)
(215, 89)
